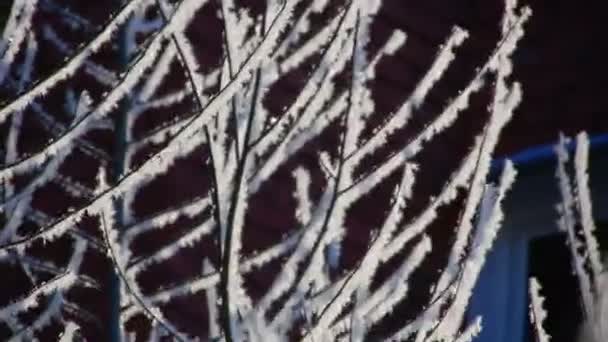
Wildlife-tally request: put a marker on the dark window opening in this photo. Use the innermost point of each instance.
(5, 10)
(550, 262)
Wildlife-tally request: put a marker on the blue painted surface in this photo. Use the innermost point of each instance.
(500, 294)
(490, 295)
(545, 152)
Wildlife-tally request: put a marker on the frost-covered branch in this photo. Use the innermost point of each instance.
(576, 220)
(537, 311)
(143, 123)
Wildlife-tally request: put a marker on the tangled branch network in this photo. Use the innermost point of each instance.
(231, 106)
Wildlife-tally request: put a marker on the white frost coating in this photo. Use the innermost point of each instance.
(69, 332)
(11, 204)
(19, 33)
(101, 181)
(155, 334)
(328, 167)
(581, 161)
(504, 102)
(235, 289)
(453, 269)
(471, 331)
(385, 298)
(334, 305)
(42, 88)
(100, 73)
(448, 193)
(312, 46)
(154, 80)
(330, 232)
(73, 187)
(52, 310)
(363, 275)
(303, 203)
(11, 24)
(207, 280)
(84, 104)
(362, 104)
(236, 24)
(489, 222)
(565, 208)
(395, 42)
(299, 135)
(11, 147)
(332, 229)
(164, 219)
(595, 329)
(583, 245)
(537, 311)
(401, 118)
(192, 65)
(150, 168)
(159, 101)
(442, 122)
(567, 222)
(212, 297)
(576, 208)
(188, 134)
(511, 102)
(184, 13)
(305, 244)
(169, 250)
(19, 203)
(220, 149)
(159, 135)
(302, 26)
(117, 256)
(56, 128)
(59, 283)
(240, 301)
(55, 288)
(297, 138)
(315, 94)
(157, 138)
(27, 67)
(138, 24)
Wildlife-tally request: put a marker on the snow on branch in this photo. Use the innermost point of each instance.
(583, 250)
(537, 311)
(42, 88)
(583, 194)
(576, 220)
(169, 103)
